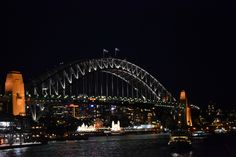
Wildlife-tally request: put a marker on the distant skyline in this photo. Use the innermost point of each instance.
(185, 45)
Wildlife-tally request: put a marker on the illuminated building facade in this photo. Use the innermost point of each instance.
(115, 127)
(103, 115)
(14, 86)
(211, 109)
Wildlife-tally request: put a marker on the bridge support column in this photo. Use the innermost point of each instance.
(187, 112)
(14, 85)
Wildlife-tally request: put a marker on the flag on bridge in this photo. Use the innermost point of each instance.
(116, 50)
(104, 51)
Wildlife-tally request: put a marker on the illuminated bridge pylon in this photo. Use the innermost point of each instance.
(186, 108)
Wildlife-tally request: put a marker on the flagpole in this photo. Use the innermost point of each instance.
(116, 50)
(104, 51)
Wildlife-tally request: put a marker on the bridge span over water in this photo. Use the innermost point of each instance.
(100, 77)
(100, 80)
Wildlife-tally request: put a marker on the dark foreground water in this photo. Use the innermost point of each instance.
(126, 146)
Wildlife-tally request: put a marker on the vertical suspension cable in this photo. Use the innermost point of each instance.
(76, 87)
(86, 85)
(127, 89)
(112, 86)
(106, 84)
(117, 87)
(140, 92)
(132, 89)
(64, 92)
(70, 89)
(57, 88)
(122, 89)
(83, 84)
(89, 84)
(95, 85)
(145, 93)
(101, 83)
(150, 95)
(137, 93)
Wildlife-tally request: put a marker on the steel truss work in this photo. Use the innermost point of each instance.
(97, 77)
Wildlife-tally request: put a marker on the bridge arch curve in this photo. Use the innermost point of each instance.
(57, 81)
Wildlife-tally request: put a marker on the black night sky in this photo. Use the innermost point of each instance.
(184, 44)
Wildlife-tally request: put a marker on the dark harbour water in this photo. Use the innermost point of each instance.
(127, 146)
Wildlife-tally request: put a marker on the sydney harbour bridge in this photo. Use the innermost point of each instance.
(108, 82)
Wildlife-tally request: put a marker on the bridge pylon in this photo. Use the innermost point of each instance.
(185, 112)
(14, 85)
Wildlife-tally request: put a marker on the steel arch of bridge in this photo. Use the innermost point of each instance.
(55, 82)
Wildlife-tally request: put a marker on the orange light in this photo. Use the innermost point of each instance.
(92, 99)
(14, 84)
(72, 105)
(183, 100)
(182, 95)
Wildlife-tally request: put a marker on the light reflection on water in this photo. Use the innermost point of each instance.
(13, 152)
(187, 154)
(117, 146)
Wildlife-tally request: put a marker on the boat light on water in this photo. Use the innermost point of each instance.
(180, 140)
